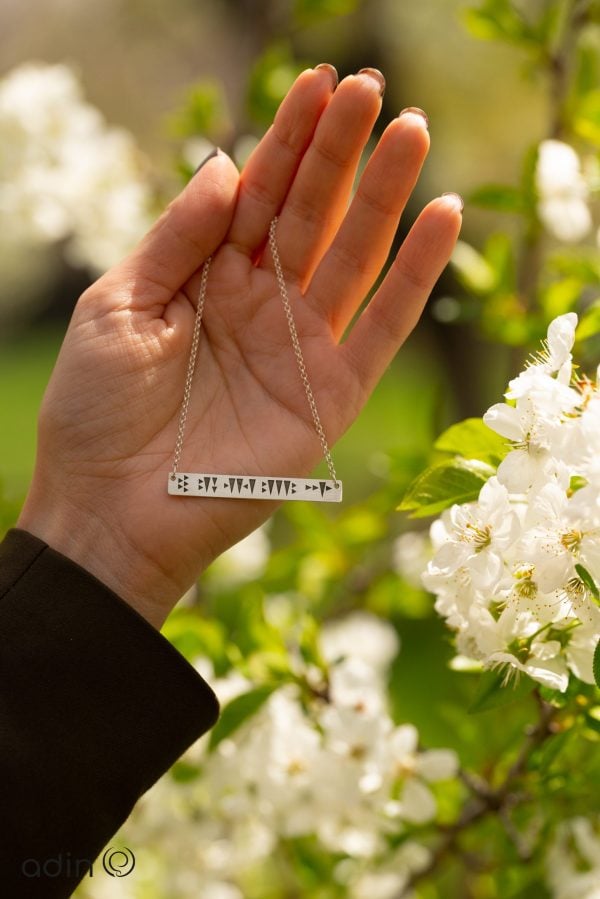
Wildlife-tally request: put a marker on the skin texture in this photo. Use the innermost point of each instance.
(109, 417)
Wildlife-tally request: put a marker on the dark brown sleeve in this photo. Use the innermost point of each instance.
(95, 705)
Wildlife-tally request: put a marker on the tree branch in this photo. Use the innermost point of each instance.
(488, 800)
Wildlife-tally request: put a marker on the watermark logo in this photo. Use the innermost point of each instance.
(118, 862)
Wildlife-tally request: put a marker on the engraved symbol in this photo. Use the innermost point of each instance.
(324, 486)
(257, 487)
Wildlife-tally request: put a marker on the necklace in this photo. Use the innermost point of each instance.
(251, 486)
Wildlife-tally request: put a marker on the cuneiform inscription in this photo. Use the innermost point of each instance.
(254, 487)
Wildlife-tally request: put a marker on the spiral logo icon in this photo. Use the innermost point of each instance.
(118, 862)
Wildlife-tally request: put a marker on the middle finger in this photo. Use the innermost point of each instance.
(318, 198)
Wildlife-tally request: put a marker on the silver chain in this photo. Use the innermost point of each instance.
(298, 351)
(187, 391)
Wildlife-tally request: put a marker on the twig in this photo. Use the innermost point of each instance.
(487, 800)
(559, 63)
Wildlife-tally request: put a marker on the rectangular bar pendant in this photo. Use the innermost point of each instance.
(234, 486)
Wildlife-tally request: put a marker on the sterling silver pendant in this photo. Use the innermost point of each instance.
(233, 486)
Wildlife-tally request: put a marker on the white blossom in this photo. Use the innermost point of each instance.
(512, 571)
(64, 174)
(411, 553)
(562, 532)
(477, 535)
(332, 766)
(388, 880)
(361, 635)
(562, 192)
(573, 860)
(538, 421)
(246, 560)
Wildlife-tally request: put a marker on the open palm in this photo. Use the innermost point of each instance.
(110, 415)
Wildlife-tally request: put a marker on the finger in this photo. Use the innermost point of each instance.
(318, 199)
(191, 228)
(270, 169)
(359, 250)
(396, 307)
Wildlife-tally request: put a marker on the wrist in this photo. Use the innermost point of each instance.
(87, 538)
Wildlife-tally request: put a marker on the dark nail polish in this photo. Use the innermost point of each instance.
(457, 199)
(211, 155)
(416, 111)
(377, 76)
(331, 70)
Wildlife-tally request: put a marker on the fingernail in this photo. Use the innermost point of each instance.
(455, 200)
(414, 110)
(332, 72)
(377, 76)
(211, 155)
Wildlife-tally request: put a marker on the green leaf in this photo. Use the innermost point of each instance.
(442, 485)
(491, 694)
(577, 482)
(552, 24)
(596, 664)
(500, 254)
(550, 750)
(499, 197)
(204, 112)
(587, 75)
(592, 718)
(584, 265)
(307, 12)
(472, 439)
(271, 77)
(587, 117)
(194, 636)
(472, 269)
(360, 525)
(499, 20)
(589, 324)
(182, 772)
(237, 712)
(561, 296)
(588, 580)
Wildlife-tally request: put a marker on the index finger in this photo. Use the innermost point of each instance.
(270, 170)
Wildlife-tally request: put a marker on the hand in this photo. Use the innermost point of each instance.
(109, 417)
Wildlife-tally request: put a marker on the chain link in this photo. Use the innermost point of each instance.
(187, 391)
(298, 351)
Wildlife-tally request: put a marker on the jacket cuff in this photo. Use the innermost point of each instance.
(98, 703)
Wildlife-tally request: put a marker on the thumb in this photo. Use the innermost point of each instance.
(189, 230)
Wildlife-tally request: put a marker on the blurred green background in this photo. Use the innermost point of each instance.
(138, 60)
